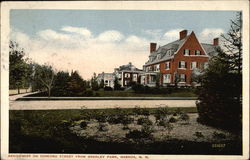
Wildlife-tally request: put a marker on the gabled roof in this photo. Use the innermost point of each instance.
(175, 46)
(210, 49)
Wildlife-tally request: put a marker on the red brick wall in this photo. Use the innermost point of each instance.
(192, 44)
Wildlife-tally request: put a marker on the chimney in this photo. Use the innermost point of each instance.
(216, 42)
(152, 47)
(183, 34)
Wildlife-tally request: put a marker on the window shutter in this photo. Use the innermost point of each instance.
(185, 64)
(185, 77)
(179, 64)
(169, 65)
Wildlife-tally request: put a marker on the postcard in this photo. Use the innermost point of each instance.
(125, 80)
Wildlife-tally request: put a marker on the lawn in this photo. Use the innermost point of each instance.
(128, 93)
(127, 131)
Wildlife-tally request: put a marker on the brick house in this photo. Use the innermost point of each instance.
(175, 61)
(127, 74)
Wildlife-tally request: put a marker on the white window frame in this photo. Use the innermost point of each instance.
(158, 56)
(127, 75)
(167, 78)
(198, 52)
(180, 66)
(193, 65)
(167, 65)
(135, 77)
(183, 77)
(186, 52)
(157, 67)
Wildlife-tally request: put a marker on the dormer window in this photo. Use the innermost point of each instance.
(159, 56)
(186, 52)
(197, 52)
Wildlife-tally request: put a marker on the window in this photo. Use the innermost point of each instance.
(152, 79)
(193, 65)
(127, 75)
(157, 67)
(182, 64)
(197, 52)
(167, 78)
(186, 52)
(159, 56)
(126, 82)
(182, 78)
(167, 65)
(134, 77)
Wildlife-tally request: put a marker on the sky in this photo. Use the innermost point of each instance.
(100, 40)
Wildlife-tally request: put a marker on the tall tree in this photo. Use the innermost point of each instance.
(76, 85)
(44, 75)
(220, 98)
(19, 68)
(94, 83)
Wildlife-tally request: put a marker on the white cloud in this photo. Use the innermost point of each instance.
(154, 33)
(82, 31)
(208, 34)
(110, 36)
(49, 34)
(72, 51)
(171, 35)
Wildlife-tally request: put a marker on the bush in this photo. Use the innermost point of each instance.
(144, 121)
(123, 119)
(141, 111)
(184, 117)
(137, 134)
(172, 120)
(108, 89)
(83, 124)
(219, 135)
(160, 113)
(88, 93)
(199, 134)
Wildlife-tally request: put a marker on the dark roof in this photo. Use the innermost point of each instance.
(167, 51)
(210, 49)
(128, 67)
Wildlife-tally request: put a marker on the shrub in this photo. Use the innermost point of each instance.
(184, 117)
(88, 93)
(83, 124)
(141, 111)
(160, 113)
(199, 134)
(123, 119)
(103, 127)
(219, 135)
(138, 134)
(144, 121)
(108, 89)
(172, 120)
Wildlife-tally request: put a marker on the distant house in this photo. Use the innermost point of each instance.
(107, 78)
(175, 61)
(127, 74)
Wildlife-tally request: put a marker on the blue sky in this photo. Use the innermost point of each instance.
(100, 36)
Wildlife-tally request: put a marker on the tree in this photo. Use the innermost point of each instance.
(19, 68)
(117, 85)
(94, 83)
(76, 85)
(158, 80)
(220, 97)
(61, 84)
(44, 75)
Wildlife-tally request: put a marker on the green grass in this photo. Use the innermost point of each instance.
(131, 93)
